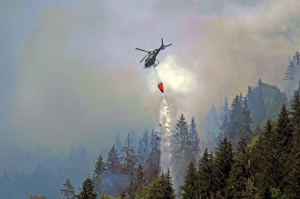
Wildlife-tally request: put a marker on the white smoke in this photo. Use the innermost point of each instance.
(165, 122)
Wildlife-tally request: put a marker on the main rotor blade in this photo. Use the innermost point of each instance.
(168, 45)
(144, 58)
(142, 50)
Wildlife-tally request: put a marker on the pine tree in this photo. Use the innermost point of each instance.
(251, 102)
(205, 176)
(129, 158)
(112, 161)
(190, 187)
(68, 190)
(256, 102)
(245, 130)
(225, 110)
(99, 166)
(295, 110)
(167, 186)
(260, 106)
(98, 172)
(240, 174)
(144, 149)
(265, 161)
(180, 149)
(289, 75)
(222, 164)
(140, 179)
(112, 174)
(212, 124)
(234, 125)
(283, 146)
(195, 147)
(87, 191)
(224, 125)
(153, 161)
(154, 141)
(250, 192)
(292, 190)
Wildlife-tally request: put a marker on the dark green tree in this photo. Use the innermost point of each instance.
(222, 164)
(167, 186)
(265, 161)
(87, 191)
(240, 174)
(295, 110)
(292, 190)
(206, 179)
(282, 145)
(190, 187)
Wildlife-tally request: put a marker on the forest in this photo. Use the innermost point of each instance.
(253, 152)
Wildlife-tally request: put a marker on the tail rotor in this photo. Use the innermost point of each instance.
(162, 44)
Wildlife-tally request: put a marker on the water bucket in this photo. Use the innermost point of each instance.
(161, 86)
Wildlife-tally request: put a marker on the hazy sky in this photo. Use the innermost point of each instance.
(70, 72)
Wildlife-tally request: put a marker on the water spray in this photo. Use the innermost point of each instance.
(165, 123)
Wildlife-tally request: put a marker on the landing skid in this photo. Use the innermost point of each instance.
(155, 64)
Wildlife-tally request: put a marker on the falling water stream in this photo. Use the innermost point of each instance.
(165, 122)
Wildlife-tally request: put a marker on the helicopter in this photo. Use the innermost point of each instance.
(151, 59)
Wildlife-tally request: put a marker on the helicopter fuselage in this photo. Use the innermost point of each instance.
(150, 60)
(151, 55)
